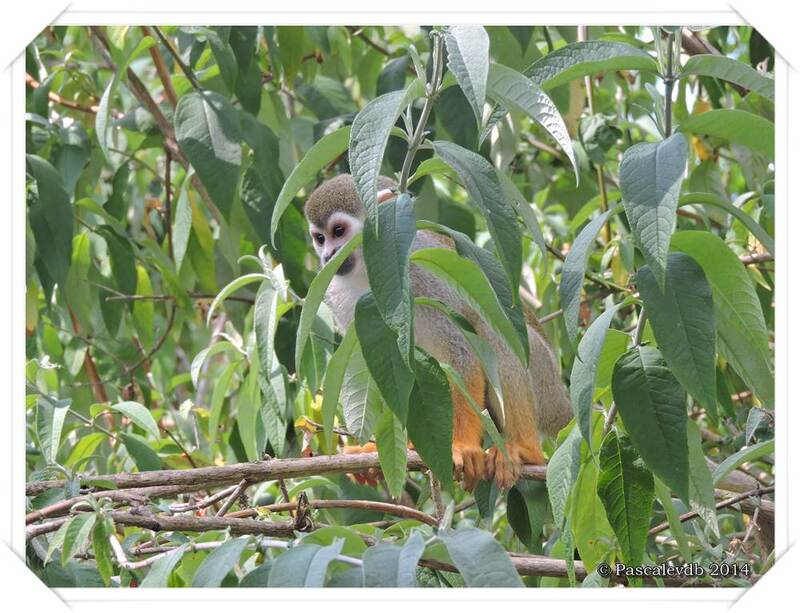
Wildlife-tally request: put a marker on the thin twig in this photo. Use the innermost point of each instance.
(720, 505)
(359, 32)
(161, 69)
(232, 498)
(54, 97)
(178, 60)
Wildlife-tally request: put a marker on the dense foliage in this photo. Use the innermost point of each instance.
(618, 180)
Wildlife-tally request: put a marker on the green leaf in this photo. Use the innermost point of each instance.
(495, 274)
(587, 58)
(84, 448)
(471, 284)
(102, 550)
(76, 536)
(139, 415)
(316, 293)
(701, 484)
(747, 454)
(626, 488)
(594, 537)
(159, 573)
(391, 440)
(562, 470)
(325, 150)
(584, 371)
(304, 565)
(141, 452)
(650, 178)
(751, 224)
(221, 388)
(368, 137)
(51, 220)
(388, 234)
(487, 195)
(123, 262)
(742, 331)
(50, 418)
(219, 563)
(386, 364)
(480, 559)
(361, 400)
(430, 418)
(208, 352)
(653, 408)
(387, 565)
(682, 318)
(468, 60)
(332, 385)
(101, 121)
(736, 126)
(518, 93)
(181, 227)
(731, 70)
(208, 132)
(573, 271)
(144, 310)
(229, 289)
(665, 498)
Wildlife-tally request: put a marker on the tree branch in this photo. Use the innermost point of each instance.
(255, 472)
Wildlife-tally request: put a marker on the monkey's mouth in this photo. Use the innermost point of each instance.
(347, 266)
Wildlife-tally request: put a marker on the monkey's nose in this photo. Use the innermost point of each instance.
(331, 254)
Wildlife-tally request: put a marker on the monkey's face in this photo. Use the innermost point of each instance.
(339, 228)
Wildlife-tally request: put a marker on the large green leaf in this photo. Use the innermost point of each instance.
(731, 70)
(77, 535)
(480, 559)
(141, 452)
(361, 400)
(208, 132)
(584, 371)
(593, 535)
(388, 234)
(430, 418)
(471, 284)
(586, 58)
(653, 408)
(368, 137)
(391, 441)
(316, 293)
(332, 385)
(468, 60)
(741, 329)
(701, 484)
(303, 566)
(747, 454)
(51, 220)
(385, 362)
(573, 271)
(682, 318)
(387, 565)
(626, 488)
(486, 193)
(562, 470)
(736, 126)
(326, 149)
(650, 178)
(517, 92)
(219, 563)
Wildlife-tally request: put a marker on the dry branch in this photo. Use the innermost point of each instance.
(254, 472)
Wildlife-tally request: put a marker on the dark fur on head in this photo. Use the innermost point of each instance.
(338, 194)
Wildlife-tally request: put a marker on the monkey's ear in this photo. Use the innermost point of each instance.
(385, 194)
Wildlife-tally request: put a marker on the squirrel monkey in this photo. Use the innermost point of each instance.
(535, 399)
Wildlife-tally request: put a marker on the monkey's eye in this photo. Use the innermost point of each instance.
(320, 238)
(338, 231)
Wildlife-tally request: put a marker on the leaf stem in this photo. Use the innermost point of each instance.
(669, 81)
(431, 92)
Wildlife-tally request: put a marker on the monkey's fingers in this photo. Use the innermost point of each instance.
(470, 466)
(504, 470)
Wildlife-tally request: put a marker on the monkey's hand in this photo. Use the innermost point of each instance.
(373, 476)
(469, 464)
(506, 469)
